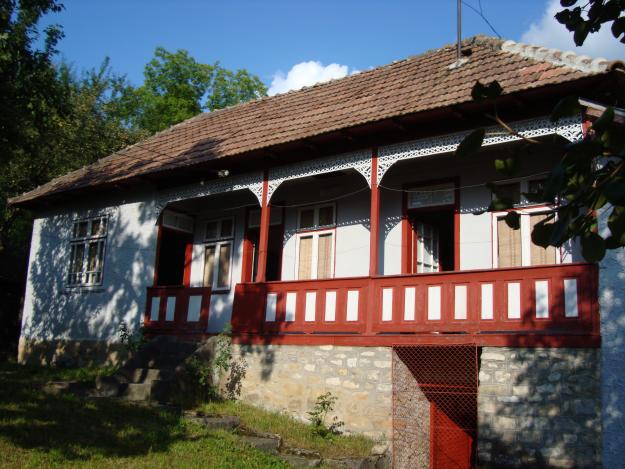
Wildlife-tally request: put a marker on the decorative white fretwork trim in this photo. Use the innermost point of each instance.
(569, 128)
(359, 160)
(251, 181)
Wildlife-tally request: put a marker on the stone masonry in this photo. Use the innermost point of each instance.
(289, 378)
(539, 408)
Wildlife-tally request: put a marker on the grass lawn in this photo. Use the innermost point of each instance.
(293, 432)
(39, 430)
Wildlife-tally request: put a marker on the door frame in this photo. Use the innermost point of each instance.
(407, 251)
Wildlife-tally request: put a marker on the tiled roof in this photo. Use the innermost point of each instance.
(421, 83)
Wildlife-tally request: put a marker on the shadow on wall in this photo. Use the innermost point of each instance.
(56, 312)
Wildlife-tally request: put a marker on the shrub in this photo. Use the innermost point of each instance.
(318, 416)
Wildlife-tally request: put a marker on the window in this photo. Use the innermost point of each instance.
(219, 235)
(315, 243)
(86, 258)
(427, 248)
(322, 216)
(514, 248)
(514, 191)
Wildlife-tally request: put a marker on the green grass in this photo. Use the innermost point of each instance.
(293, 432)
(40, 430)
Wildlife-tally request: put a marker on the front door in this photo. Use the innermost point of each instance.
(432, 241)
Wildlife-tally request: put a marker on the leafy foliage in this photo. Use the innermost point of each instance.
(590, 177)
(132, 342)
(584, 17)
(177, 87)
(318, 416)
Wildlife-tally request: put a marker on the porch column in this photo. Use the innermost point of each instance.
(264, 231)
(374, 217)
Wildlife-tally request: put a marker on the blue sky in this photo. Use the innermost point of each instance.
(270, 37)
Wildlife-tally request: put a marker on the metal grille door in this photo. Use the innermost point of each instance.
(435, 406)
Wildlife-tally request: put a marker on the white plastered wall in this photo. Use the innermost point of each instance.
(54, 311)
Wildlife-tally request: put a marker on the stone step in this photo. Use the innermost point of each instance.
(299, 461)
(269, 445)
(142, 375)
(138, 391)
(225, 422)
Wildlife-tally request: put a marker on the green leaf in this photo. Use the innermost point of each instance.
(616, 221)
(541, 234)
(499, 205)
(471, 143)
(506, 166)
(568, 3)
(568, 106)
(604, 121)
(614, 191)
(618, 27)
(481, 92)
(593, 247)
(513, 220)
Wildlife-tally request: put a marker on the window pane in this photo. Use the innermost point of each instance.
(540, 255)
(326, 216)
(80, 229)
(93, 257)
(98, 227)
(211, 229)
(307, 218)
(305, 257)
(209, 265)
(254, 219)
(226, 228)
(324, 261)
(510, 191)
(509, 245)
(224, 266)
(77, 256)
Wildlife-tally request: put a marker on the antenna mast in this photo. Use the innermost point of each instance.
(459, 8)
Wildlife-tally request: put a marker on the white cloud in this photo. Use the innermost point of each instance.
(306, 74)
(549, 33)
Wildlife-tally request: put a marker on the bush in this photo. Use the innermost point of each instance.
(318, 416)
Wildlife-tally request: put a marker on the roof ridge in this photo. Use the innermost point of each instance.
(583, 63)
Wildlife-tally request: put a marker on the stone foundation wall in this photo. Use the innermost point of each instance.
(539, 407)
(289, 378)
(71, 352)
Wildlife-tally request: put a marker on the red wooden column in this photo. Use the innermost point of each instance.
(374, 217)
(264, 231)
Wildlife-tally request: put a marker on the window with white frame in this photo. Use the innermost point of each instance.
(218, 239)
(514, 248)
(87, 245)
(315, 242)
(514, 191)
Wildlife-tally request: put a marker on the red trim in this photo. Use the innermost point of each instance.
(182, 295)
(188, 260)
(374, 217)
(157, 255)
(388, 340)
(457, 224)
(247, 258)
(263, 241)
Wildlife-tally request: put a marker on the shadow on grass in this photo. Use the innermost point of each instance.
(78, 428)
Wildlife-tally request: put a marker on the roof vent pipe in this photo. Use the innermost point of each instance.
(459, 21)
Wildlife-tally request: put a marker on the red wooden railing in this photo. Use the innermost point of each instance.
(560, 299)
(177, 308)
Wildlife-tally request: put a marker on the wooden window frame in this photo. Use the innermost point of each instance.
(526, 235)
(315, 234)
(85, 241)
(217, 242)
(316, 226)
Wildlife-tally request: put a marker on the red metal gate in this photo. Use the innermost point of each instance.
(435, 406)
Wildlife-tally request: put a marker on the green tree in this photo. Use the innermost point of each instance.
(177, 87)
(590, 177)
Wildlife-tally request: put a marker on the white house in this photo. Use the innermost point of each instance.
(346, 243)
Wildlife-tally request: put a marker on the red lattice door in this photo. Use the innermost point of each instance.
(435, 406)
